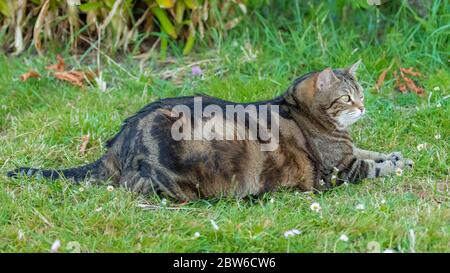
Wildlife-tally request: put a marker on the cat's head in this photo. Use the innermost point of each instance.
(333, 95)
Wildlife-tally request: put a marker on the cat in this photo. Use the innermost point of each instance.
(314, 151)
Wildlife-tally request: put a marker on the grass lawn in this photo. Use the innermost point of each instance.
(42, 122)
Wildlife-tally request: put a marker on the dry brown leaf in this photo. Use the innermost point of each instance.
(412, 85)
(410, 71)
(381, 78)
(58, 67)
(30, 74)
(84, 143)
(73, 77)
(398, 83)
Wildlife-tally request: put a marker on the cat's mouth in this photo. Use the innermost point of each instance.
(360, 112)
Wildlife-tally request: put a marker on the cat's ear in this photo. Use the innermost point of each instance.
(352, 69)
(326, 79)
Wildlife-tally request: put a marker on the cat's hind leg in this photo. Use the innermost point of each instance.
(156, 181)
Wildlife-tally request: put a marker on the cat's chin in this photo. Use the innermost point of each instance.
(349, 118)
(348, 122)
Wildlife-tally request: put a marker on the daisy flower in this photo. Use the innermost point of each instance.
(438, 136)
(374, 247)
(315, 207)
(55, 246)
(110, 188)
(343, 238)
(360, 207)
(399, 172)
(20, 234)
(421, 146)
(291, 232)
(196, 235)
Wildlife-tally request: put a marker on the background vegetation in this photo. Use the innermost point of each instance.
(44, 120)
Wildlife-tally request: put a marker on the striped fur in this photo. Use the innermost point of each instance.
(314, 145)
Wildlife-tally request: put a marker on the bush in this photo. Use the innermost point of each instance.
(125, 25)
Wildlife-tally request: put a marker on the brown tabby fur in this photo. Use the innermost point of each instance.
(314, 145)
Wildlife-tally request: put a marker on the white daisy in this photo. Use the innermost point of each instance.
(81, 189)
(421, 146)
(436, 88)
(374, 247)
(438, 105)
(110, 188)
(196, 235)
(98, 209)
(438, 136)
(272, 200)
(360, 207)
(399, 172)
(315, 207)
(291, 232)
(20, 235)
(383, 201)
(164, 201)
(55, 246)
(343, 238)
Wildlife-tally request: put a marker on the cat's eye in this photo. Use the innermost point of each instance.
(346, 98)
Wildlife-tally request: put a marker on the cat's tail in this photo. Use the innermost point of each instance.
(107, 167)
(75, 174)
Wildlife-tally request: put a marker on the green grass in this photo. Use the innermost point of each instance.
(42, 121)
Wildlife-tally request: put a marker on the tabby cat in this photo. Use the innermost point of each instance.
(315, 151)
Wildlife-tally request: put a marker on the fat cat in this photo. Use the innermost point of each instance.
(314, 149)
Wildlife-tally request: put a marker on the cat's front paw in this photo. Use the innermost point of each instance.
(395, 156)
(404, 164)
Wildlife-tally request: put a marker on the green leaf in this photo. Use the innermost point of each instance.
(191, 4)
(166, 4)
(110, 3)
(91, 6)
(179, 11)
(164, 21)
(4, 9)
(190, 42)
(163, 48)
